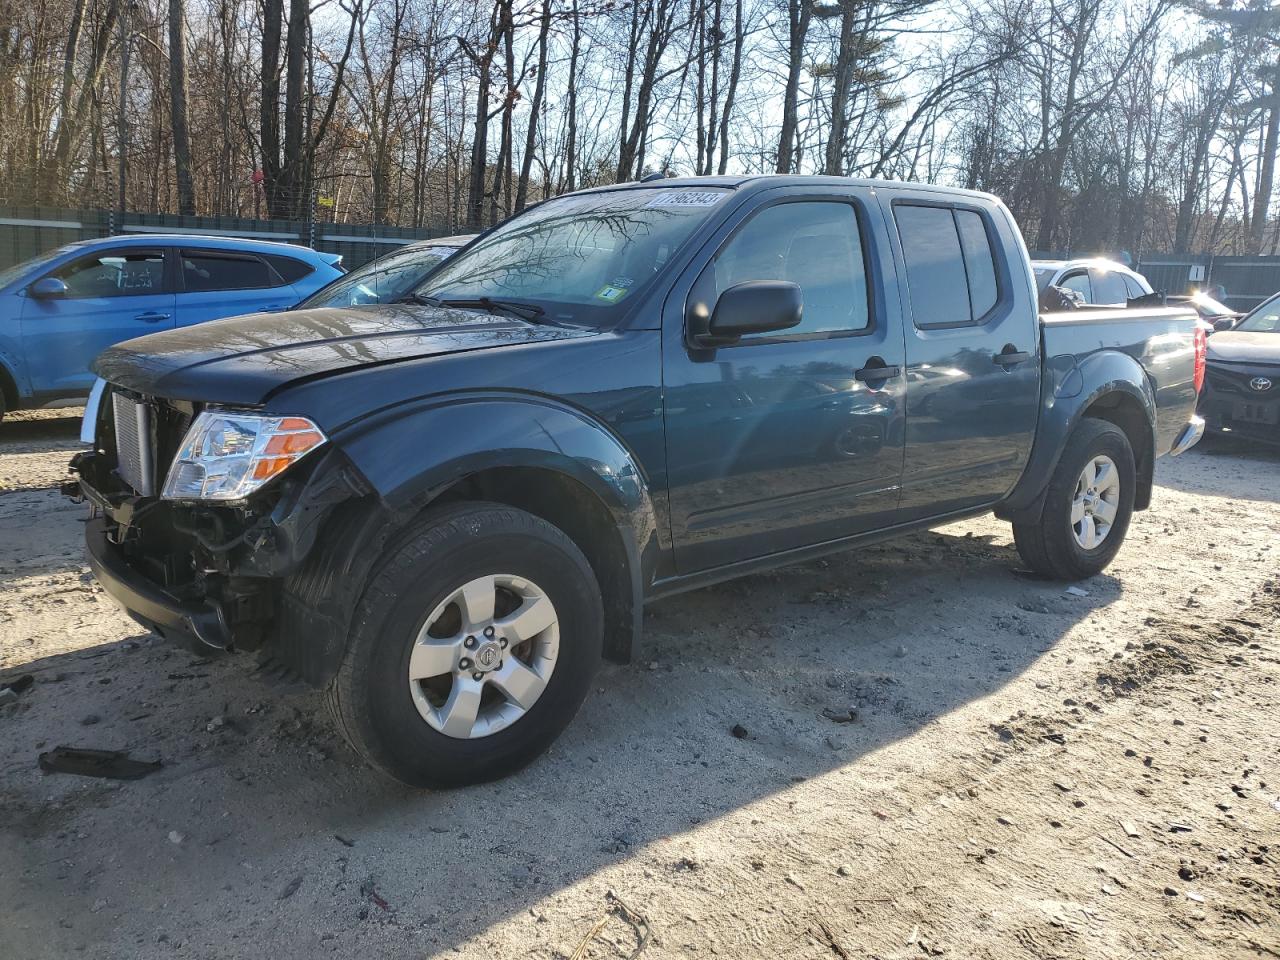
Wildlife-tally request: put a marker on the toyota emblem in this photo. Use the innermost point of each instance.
(1260, 384)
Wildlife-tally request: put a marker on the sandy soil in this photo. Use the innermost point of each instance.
(1031, 773)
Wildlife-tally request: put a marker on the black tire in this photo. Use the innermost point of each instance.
(1049, 547)
(370, 698)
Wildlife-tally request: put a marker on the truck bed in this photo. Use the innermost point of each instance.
(1160, 340)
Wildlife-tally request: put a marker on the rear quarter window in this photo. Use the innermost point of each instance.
(290, 269)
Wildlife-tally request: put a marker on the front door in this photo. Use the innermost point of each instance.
(973, 354)
(111, 296)
(787, 439)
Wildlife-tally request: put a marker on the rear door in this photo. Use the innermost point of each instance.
(112, 295)
(791, 438)
(972, 349)
(222, 283)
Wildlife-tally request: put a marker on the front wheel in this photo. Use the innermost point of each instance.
(1086, 508)
(472, 649)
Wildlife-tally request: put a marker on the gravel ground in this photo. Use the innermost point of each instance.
(1031, 772)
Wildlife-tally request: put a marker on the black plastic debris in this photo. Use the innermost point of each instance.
(111, 764)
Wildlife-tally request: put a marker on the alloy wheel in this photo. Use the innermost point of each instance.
(484, 656)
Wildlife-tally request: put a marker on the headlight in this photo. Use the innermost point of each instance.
(227, 456)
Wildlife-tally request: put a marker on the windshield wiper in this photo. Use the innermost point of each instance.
(422, 298)
(523, 311)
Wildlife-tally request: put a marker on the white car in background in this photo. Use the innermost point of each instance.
(1102, 283)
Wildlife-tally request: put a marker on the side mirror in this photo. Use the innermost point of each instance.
(1224, 323)
(756, 306)
(48, 288)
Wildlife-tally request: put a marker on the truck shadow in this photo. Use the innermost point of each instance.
(722, 710)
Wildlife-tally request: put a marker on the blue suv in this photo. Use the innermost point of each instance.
(61, 309)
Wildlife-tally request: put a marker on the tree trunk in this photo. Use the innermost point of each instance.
(294, 201)
(841, 84)
(502, 170)
(539, 88)
(635, 134)
(571, 145)
(178, 98)
(798, 13)
(1266, 176)
(731, 92)
(483, 61)
(269, 130)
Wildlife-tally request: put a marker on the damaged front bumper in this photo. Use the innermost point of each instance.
(148, 603)
(207, 576)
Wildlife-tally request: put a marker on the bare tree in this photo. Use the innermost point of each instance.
(178, 98)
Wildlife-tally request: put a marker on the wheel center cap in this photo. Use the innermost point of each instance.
(487, 656)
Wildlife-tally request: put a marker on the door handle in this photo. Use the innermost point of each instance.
(877, 371)
(1011, 356)
(151, 317)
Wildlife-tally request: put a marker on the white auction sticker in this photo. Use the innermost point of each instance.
(687, 198)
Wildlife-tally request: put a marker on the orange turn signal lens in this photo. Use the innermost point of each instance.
(267, 468)
(293, 443)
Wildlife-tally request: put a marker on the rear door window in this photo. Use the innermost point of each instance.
(206, 270)
(951, 270)
(1109, 288)
(1079, 282)
(115, 273)
(979, 262)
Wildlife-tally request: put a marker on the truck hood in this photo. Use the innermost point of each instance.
(244, 360)
(1238, 346)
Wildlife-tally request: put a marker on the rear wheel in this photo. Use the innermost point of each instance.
(472, 649)
(1086, 508)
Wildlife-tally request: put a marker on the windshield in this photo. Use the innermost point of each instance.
(380, 281)
(1263, 319)
(19, 270)
(580, 257)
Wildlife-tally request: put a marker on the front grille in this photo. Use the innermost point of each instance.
(1238, 380)
(135, 462)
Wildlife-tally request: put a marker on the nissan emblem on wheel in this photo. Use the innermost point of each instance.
(446, 510)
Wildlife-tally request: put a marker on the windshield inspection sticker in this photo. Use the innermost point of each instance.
(611, 293)
(687, 198)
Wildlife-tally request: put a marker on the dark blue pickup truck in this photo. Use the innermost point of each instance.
(446, 510)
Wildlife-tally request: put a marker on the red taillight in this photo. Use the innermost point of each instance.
(1202, 346)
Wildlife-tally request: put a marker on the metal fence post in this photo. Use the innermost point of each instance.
(311, 219)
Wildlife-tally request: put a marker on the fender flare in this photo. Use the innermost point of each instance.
(411, 454)
(1069, 390)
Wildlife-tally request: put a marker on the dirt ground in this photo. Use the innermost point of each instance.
(1032, 773)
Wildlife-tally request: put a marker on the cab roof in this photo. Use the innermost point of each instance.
(770, 180)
